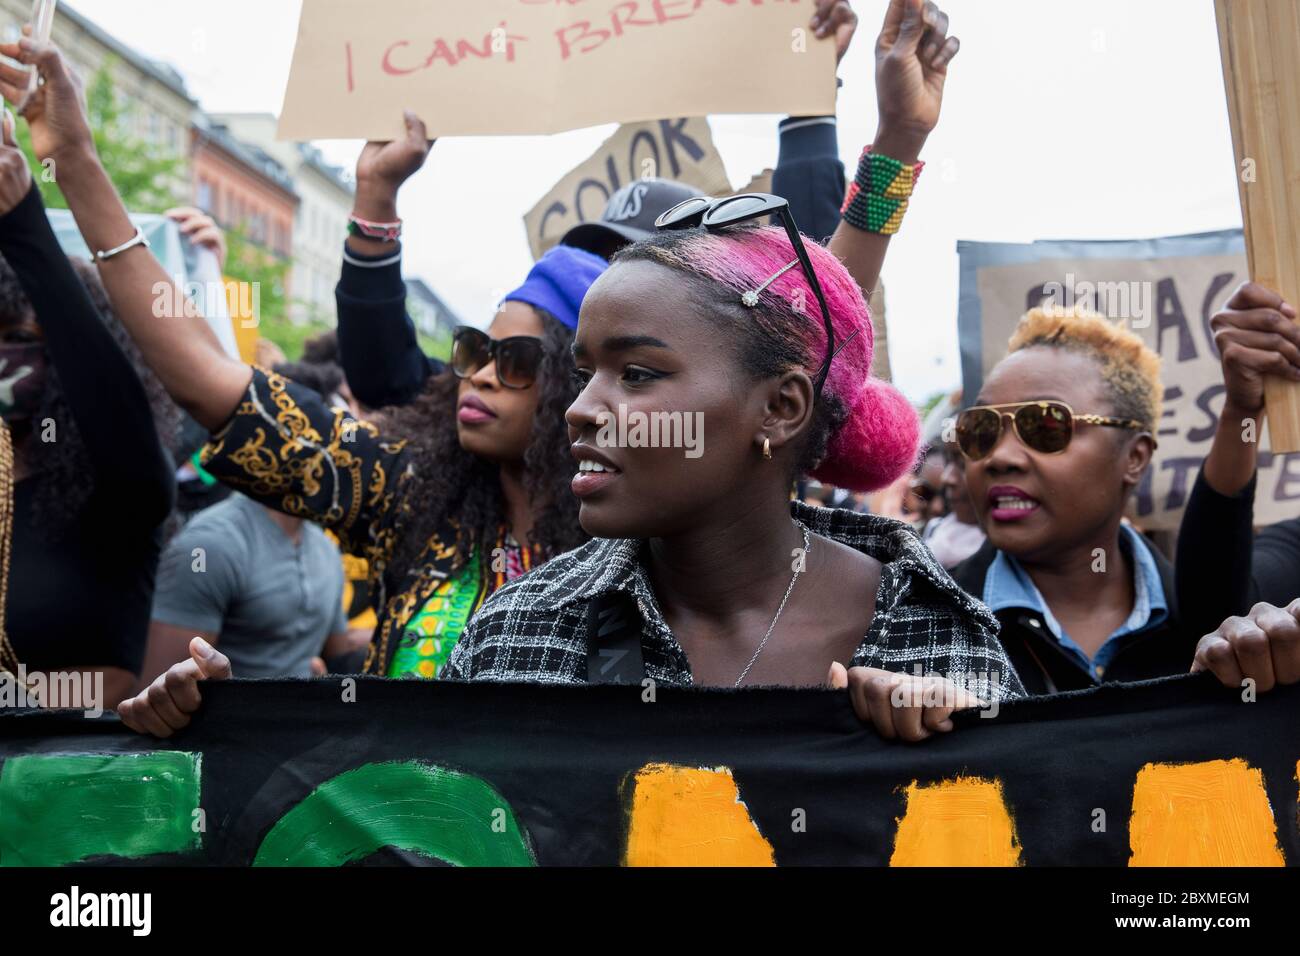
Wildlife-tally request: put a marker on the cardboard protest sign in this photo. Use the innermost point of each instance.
(298, 773)
(1166, 290)
(542, 66)
(679, 149)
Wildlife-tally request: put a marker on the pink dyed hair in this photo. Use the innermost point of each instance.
(877, 442)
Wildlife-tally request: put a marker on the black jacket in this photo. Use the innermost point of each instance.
(1046, 667)
(1223, 567)
(809, 174)
(378, 347)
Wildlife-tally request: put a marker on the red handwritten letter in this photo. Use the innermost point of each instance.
(581, 32)
(388, 61)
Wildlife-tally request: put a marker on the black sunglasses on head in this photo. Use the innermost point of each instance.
(716, 214)
(517, 358)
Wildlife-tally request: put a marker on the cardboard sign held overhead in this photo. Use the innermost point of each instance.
(1259, 42)
(680, 149)
(542, 66)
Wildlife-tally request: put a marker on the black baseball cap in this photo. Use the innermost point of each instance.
(629, 215)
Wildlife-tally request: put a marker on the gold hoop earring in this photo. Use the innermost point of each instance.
(767, 449)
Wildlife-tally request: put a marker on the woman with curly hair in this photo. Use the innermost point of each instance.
(455, 494)
(92, 483)
(489, 465)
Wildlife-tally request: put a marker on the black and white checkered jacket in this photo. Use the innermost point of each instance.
(535, 628)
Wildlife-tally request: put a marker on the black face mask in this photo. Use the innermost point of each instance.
(22, 379)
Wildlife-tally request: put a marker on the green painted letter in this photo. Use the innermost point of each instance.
(432, 811)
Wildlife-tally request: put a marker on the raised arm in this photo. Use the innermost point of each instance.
(325, 467)
(1256, 335)
(378, 348)
(169, 330)
(106, 398)
(809, 173)
(912, 56)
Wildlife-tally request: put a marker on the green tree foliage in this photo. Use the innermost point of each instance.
(248, 262)
(147, 180)
(145, 176)
(931, 403)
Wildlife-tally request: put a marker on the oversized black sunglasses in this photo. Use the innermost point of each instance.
(1043, 426)
(716, 214)
(517, 358)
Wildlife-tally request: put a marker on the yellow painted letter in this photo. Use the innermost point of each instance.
(962, 822)
(1214, 813)
(690, 816)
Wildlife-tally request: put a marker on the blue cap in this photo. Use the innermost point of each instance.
(558, 281)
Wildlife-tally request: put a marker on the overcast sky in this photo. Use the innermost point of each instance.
(1080, 119)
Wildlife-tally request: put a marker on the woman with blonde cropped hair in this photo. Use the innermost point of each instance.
(1055, 444)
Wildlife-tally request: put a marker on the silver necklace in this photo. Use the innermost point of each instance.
(807, 546)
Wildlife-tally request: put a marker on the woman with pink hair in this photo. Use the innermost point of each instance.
(705, 392)
(703, 571)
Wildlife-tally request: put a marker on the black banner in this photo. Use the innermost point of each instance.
(369, 771)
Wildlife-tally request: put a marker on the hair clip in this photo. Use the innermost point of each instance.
(852, 336)
(750, 299)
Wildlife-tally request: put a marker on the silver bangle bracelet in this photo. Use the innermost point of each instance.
(137, 240)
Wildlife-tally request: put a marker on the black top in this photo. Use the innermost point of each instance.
(83, 600)
(809, 174)
(1223, 568)
(1046, 667)
(378, 348)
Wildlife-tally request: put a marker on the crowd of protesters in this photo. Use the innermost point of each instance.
(371, 509)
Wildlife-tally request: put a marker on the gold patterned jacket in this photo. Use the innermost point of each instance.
(287, 449)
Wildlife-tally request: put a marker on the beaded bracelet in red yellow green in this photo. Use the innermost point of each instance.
(877, 198)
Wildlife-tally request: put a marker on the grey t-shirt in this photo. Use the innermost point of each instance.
(271, 603)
